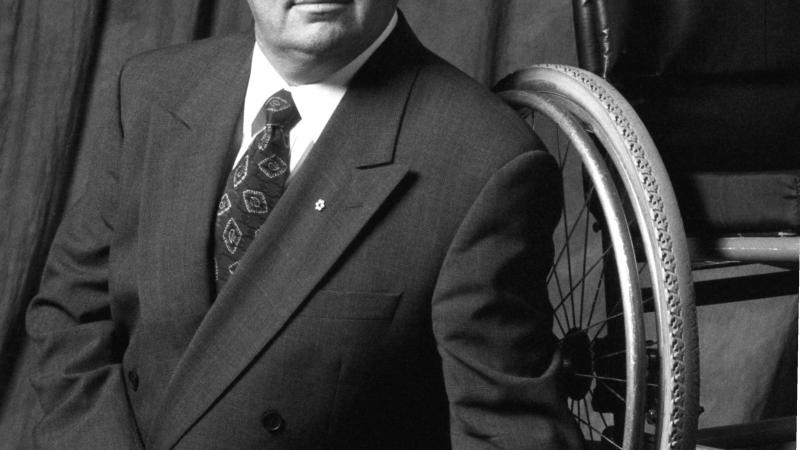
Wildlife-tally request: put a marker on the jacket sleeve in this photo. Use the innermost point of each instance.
(78, 375)
(492, 318)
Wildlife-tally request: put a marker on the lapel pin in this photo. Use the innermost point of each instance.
(320, 205)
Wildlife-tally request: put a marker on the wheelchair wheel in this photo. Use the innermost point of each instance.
(621, 286)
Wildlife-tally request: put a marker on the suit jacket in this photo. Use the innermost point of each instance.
(410, 312)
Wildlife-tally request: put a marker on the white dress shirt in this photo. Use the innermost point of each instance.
(315, 102)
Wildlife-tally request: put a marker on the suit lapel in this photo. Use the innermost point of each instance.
(191, 147)
(351, 171)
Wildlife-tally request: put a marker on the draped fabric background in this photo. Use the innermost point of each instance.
(59, 61)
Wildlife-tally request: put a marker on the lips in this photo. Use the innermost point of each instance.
(320, 7)
(321, 2)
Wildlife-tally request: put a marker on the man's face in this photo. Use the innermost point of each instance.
(320, 28)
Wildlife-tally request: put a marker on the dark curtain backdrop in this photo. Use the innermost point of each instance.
(59, 61)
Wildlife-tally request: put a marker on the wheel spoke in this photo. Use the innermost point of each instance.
(563, 299)
(576, 404)
(580, 282)
(558, 322)
(616, 306)
(604, 378)
(555, 314)
(603, 321)
(600, 414)
(579, 414)
(610, 355)
(568, 235)
(600, 281)
(612, 390)
(585, 250)
(588, 418)
(569, 265)
(603, 419)
(599, 377)
(602, 436)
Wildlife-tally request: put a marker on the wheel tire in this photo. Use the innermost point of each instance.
(620, 162)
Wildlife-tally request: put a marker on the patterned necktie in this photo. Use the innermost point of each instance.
(254, 186)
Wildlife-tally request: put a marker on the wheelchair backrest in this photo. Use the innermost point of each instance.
(649, 38)
(717, 82)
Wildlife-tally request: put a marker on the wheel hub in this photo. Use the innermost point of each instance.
(576, 363)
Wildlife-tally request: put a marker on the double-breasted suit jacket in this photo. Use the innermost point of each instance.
(408, 312)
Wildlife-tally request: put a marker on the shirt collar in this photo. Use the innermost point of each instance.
(315, 102)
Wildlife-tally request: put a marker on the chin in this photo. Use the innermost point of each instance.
(325, 39)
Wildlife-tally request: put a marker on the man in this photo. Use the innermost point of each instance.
(393, 297)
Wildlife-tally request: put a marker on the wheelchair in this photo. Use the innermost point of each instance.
(622, 282)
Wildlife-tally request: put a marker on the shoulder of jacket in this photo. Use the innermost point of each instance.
(174, 68)
(445, 88)
(194, 53)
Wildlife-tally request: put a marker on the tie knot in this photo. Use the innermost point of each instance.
(281, 111)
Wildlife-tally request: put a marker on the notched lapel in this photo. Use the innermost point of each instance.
(189, 151)
(174, 207)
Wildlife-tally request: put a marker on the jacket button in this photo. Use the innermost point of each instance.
(272, 421)
(133, 378)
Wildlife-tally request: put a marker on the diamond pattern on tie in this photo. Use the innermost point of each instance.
(232, 235)
(224, 205)
(255, 202)
(254, 186)
(273, 166)
(240, 172)
(264, 140)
